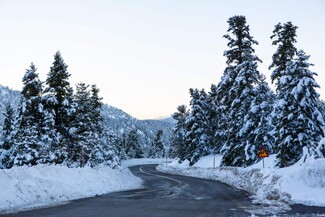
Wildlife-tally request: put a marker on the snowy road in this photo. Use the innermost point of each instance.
(162, 195)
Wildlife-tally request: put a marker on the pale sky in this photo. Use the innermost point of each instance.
(144, 55)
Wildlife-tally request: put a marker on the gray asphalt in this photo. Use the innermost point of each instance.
(164, 195)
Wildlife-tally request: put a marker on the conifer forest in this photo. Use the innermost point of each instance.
(55, 123)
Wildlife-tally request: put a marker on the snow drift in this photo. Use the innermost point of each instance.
(302, 183)
(42, 185)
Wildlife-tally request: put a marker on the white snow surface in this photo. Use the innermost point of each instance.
(302, 183)
(26, 187)
(140, 161)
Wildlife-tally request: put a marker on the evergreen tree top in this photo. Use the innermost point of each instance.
(95, 98)
(240, 41)
(32, 84)
(301, 77)
(30, 73)
(284, 36)
(58, 75)
(181, 113)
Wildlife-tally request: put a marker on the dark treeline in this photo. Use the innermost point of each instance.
(241, 114)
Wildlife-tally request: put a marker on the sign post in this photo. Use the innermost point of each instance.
(262, 154)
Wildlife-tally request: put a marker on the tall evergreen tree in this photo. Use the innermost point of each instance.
(257, 131)
(59, 102)
(236, 90)
(28, 148)
(284, 36)
(99, 134)
(31, 92)
(49, 133)
(178, 138)
(198, 135)
(214, 120)
(80, 143)
(7, 137)
(157, 147)
(96, 108)
(8, 126)
(132, 146)
(300, 123)
(224, 94)
(121, 146)
(106, 152)
(59, 86)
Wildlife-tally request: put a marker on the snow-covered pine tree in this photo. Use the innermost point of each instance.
(284, 36)
(120, 146)
(7, 137)
(106, 152)
(236, 89)
(157, 147)
(96, 108)
(104, 140)
(8, 124)
(178, 138)
(215, 120)
(29, 150)
(300, 123)
(81, 142)
(49, 133)
(222, 105)
(258, 129)
(58, 87)
(132, 146)
(198, 135)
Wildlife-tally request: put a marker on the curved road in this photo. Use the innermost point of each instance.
(162, 195)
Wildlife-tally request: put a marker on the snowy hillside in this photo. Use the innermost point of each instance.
(122, 122)
(115, 118)
(7, 95)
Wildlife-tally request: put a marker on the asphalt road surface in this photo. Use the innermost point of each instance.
(166, 195)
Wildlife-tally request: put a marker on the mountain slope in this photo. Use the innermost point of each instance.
(119, 121)
(122, 122)
(7, 95)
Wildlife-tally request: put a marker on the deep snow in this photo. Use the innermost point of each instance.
(45, 185)
(302, 183)
(42, 185)
(24, 188)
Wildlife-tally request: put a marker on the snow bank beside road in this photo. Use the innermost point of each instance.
(43, 185)
(302, 183)
(140, 161)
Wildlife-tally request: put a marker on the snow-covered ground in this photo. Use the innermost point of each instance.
(302, 183)
(140, 161)
(24, 188)
(30, 187)
(43, 185)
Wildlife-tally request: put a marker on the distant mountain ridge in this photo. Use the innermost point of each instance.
(119, 121)
(168, 119)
